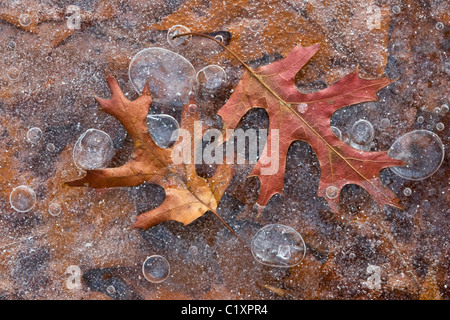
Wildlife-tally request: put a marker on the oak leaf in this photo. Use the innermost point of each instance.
(188, 196)
(306, 117)
(50, 24)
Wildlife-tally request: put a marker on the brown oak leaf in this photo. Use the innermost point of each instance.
(306, 117)
(50, 23)
(188, 196)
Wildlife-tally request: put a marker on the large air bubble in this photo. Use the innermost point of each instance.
(170, 76)
(22, 198)
(421, 150)
(93, 150)
(278, 245)
(161, 128)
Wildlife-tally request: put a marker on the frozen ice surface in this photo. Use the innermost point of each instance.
(47, 83)
(22, 198)
(161, 128)
(170, 76)
(93, 150)
(278, 246)
(423, 152)
(156, 268)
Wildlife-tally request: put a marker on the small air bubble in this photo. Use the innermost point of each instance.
(219, 38)
(302, 107)
(421, 150)
(163, 129)
(211, 77)
(54, 209)
(440, 126)
(25, 20)
(332, 192)
(51, 147)
(255, 25)
(12, 45)
(192, 108)
(407, 192)
(13, 74)
(278, 245)
(420, 119)
(439, 26)
(444, 108)
(93, 150)
(362, 132)
(337, 132)
(396, 9)
(193, 250)
(111, 289)
(385, 123)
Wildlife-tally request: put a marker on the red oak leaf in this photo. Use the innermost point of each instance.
(306, 117)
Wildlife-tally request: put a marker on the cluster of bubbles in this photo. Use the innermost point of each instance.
(421, 150)
(23, 199)
(274, 245)
(171, 79)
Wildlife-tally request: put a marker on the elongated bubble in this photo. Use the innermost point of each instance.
(161, 128)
